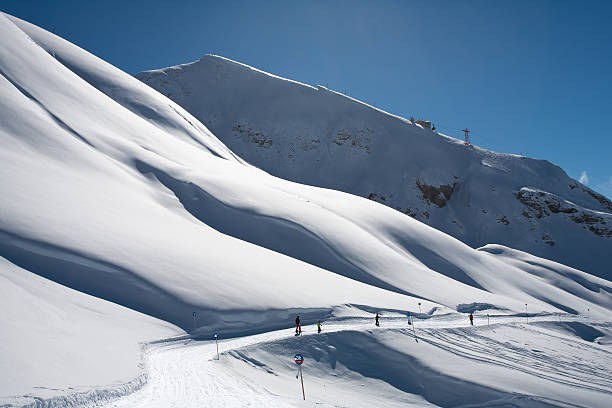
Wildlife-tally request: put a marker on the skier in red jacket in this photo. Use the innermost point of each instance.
(471, 319)
(298, 328)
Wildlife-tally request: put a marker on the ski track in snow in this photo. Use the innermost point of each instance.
(569, 369)
(186, 373)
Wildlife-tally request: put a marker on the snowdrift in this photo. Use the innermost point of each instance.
(316, 136)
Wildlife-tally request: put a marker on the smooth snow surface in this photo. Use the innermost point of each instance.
(316, 136)
(110, 189)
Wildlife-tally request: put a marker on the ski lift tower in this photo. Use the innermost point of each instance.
(467, 136)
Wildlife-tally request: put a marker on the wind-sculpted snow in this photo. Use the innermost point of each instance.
(110, 188)
(570, 280)
(83, 202)
(319, 137)
(98, 196)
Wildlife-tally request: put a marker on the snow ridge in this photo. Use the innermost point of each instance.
(93, 397)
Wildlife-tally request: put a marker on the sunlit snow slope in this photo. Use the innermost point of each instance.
(316, 136)
(110, 188)
(56, 341)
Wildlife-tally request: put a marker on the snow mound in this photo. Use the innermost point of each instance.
(578, 329)
(570, 280)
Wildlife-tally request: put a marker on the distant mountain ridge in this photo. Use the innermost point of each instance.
(316, 136)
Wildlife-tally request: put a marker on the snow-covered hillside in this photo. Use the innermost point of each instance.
(316, 136)
(111, 189)
(56, 341)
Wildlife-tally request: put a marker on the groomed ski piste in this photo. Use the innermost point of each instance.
(503, 361)
(123, 215)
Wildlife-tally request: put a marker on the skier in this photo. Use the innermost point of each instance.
(376, 320)
(318, 326)
(409, 319)
(471, 319)
(298, 328)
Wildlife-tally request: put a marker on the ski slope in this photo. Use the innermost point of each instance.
(113, 197)
(352, 363)
(320, 137)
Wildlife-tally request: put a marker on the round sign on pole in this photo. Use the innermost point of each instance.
(299, 359)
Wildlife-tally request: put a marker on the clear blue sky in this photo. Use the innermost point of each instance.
(529, 77)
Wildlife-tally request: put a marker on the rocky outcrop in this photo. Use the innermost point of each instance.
(252, 136)
(436, 195)
(543, 204)
(358, 139)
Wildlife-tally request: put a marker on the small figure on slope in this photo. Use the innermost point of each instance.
(318, 326)
(471, 319)
(298, 328)
(376, 320)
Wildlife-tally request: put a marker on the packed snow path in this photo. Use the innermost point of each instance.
(509, 363)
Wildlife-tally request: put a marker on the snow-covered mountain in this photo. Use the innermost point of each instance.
(111, 189)
(316, 136)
